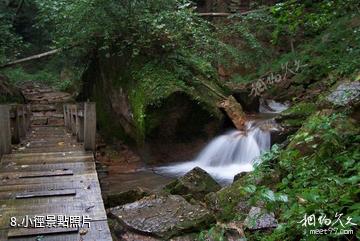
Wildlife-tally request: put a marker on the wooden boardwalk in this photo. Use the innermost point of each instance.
(49, 190)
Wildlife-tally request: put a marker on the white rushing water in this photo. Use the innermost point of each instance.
(227, 155)
(271, 106)
(235, 151)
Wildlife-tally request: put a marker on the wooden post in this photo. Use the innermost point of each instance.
(73, 119)
(79, 124)
(20, 120)
(23, 124)
(29, 115)
(90, 126)
(68, 116)
(65, 116)
(5, 132)
(14, 125)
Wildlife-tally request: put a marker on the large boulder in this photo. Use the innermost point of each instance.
(194, 184)
(163, 217)
(347, 93)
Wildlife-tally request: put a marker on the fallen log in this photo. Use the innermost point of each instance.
(34, 57)
(234, 111)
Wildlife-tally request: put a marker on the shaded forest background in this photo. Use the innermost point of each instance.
(136, 59)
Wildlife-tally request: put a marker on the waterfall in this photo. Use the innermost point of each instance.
(228, 154)
(235, 151)
(271, 106)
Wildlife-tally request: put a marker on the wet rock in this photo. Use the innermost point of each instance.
(117, 199)
(258, 219)
(194, 184)
(345, 94)
(162, 217)
(249, 102)
(240, 176)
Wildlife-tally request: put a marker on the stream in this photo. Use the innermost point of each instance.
(235, 151)
(223, 157)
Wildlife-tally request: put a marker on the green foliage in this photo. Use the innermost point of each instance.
(18, 76)
(326, 58)
(245, 40)
(143, 27)
(309, 17)
(319, 175)
(10, 42)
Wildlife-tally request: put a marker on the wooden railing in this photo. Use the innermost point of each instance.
(14, 125)
(80, 120)
(15, 122)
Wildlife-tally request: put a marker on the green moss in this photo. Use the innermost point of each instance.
(109, 128)
(148, 83)
(292, 123)
(226, 200)
(302, 109)
(151, 85)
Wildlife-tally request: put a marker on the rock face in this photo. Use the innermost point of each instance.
(194, 184)
(239, 176)
(185, 119)
(257, 219)
(162, 217)
(345, 94)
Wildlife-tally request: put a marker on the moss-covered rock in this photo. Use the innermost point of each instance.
(293, 118)
(300, 110)
(117, 199)
(224, 202)
(194, 184)
(142, 102)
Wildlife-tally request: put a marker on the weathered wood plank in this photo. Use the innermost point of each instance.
(76, 167)
(25, 232)
(48, 186)
(47, 174)
(46, 194)
(51, 179)
(30, 181)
